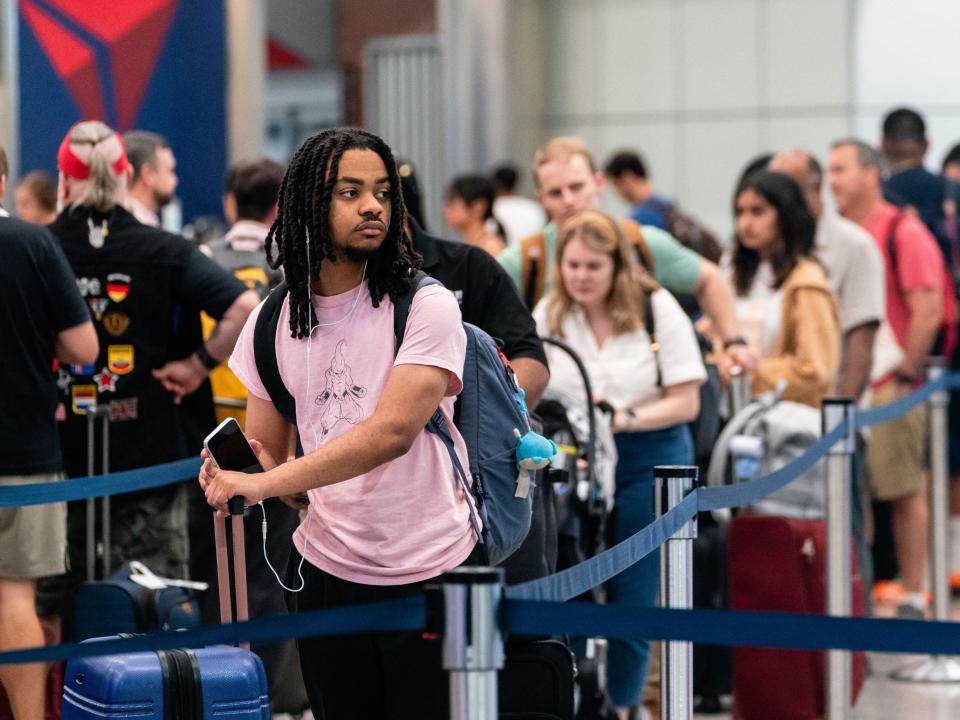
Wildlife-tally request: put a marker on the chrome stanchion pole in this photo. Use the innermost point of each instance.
(672, 483)
(91, 502)
(472, 642)
(104, 412)
(939, 668)
(837, 412)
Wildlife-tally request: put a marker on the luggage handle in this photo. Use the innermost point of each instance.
(102, 412)
(235, 506)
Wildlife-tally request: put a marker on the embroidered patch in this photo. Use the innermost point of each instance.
(120, 359)
(64, 379)
(118, 287)
(106, 381)
(61, 413)
(121, 410)
(116, 323)
(89, 286)
(97, 306)
(83, 369)
(83, 398)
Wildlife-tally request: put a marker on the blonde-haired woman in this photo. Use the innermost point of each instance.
(601, 304)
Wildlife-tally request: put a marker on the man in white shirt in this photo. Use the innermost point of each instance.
(518, 215)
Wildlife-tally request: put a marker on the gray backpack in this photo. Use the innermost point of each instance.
(766, 435)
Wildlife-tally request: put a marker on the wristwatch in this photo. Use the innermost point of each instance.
(727, 344)
(205, 358)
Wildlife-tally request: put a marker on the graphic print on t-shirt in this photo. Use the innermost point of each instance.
(338, 398)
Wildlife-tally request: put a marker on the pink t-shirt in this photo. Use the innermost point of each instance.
(408, 520)
(919, 266)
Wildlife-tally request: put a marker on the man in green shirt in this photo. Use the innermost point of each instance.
(568, 181)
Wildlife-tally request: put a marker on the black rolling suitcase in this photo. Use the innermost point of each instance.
(536, 682)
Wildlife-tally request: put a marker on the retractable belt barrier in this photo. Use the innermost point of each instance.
(95, 486)
(527, 617)
(539, 607)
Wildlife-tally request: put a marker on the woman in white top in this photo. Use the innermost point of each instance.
(597, 307)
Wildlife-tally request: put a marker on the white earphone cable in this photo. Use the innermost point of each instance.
(313, 429)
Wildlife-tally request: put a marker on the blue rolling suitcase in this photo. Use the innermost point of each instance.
(215, 682)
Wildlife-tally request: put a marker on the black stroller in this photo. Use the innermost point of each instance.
(581, 475)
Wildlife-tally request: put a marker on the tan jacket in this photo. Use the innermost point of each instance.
(807, 353)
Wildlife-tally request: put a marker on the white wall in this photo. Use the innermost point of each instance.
(908, 54)
(698, 86)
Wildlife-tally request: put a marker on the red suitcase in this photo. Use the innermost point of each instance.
(778, 564)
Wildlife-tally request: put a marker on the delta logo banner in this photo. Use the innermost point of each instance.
(157, 65)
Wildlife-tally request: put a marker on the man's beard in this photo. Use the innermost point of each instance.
(162, 199)
(354, 254)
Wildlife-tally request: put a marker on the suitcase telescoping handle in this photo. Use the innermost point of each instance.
(235, 506)
(102, 412)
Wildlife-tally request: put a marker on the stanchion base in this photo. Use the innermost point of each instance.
(936, 669)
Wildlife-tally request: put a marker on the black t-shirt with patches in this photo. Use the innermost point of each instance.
(38, 300)
(145, 289)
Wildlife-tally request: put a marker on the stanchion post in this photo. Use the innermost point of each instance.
(472, 641)
(104, 412)
(939, 492)
(839, 412)
(91, 534)
(672, 483)
(937, 669)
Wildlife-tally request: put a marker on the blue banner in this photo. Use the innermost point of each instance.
(156, 65)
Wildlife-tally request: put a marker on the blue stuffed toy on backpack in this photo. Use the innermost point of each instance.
(534, 451)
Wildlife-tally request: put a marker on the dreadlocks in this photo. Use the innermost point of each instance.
(303, 223)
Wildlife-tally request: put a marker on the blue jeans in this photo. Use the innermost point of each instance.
(639, 585)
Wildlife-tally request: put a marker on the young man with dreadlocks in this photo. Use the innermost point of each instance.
(385, 510)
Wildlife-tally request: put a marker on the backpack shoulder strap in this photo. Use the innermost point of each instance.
(533, 267)
(650, 325)
(265, 353)
(634, 235)
(892, 257)
(401, 308)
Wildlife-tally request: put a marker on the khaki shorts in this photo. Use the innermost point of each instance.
(34, 537)
(896, 454)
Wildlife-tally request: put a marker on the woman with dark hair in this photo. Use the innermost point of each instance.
(785, 305)
(468, 209)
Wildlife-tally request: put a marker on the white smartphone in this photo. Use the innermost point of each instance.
(230, 449)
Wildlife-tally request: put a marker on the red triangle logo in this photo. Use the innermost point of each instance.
(133, 32)
(73, 61)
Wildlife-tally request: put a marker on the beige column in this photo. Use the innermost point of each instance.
(246, 25)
